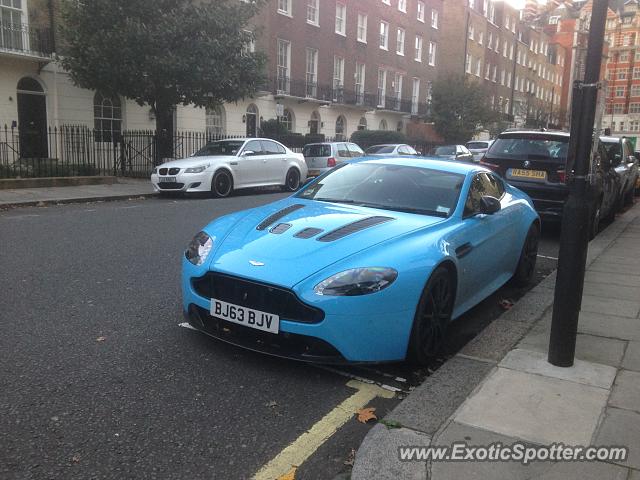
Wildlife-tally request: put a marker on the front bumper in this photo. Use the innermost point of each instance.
(185, 182)
(370, 328)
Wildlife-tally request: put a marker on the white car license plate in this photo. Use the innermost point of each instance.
(314, 173)
(168, 179)
(248, 317)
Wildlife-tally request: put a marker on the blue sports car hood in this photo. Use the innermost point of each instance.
(285, 242)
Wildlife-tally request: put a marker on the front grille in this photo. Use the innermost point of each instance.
(170, 185)
(259, 296)
(163, 171)
(283, 344)
(174, 171)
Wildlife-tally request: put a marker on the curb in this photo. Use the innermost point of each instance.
(430, 406)
(104, 198)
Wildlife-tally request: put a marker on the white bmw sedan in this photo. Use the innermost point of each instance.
(226, 165)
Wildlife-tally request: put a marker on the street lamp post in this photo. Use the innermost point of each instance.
(575, 221)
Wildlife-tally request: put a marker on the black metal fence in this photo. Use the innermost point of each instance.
(78, 150)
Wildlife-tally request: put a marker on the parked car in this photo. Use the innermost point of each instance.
(322, 157)
(478, 148)
(452, 152)
(620, 152)
(637, 155)
(299, 277)
(391, 149)
(224, 166)
(536, 162)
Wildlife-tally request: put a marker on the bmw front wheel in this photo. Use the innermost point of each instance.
(221, 184)
(292, 182)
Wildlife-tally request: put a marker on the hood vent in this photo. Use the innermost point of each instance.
(274, 217)
(280, 228)
(353, 227)
(308, 232)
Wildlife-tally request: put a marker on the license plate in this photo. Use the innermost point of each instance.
(168, 179)
(537, 174)
(314, 173)
(248, 317)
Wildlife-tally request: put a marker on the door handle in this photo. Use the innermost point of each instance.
(233, 163)
(464, 250)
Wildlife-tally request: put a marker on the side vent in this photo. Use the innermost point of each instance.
(280, 228)
(353, 227)
(308, 232)
(274, 217)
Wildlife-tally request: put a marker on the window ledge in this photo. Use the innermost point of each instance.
(285, 14)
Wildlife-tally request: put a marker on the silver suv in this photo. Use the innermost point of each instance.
(322, 157)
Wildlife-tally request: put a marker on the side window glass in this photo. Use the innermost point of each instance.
(343, 151)
(254, 146)
(472, 204)
(403, 150)
(496, 185)
(271, 148)
(354, 150)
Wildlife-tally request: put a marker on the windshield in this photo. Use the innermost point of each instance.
(477, 145)
(389, 187)
(530, 148)
(613, 149)
(317, 150)
(446, 150)
(223, 147)
(380, 149)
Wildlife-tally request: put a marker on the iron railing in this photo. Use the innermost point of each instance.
(79, 150)
(20, 38)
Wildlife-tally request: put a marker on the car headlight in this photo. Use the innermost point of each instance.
(357, 281)
(154, 171)
(199, 248)
(198, 169)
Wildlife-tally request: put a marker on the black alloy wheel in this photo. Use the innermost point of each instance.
(432, 317)
(222, 184)
(528, 257)
(292, 183)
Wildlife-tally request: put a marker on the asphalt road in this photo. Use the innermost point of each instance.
(97, 380)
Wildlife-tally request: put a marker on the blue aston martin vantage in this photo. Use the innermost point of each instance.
(367, 263)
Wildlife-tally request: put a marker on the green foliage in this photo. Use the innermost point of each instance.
(162, 53)
(460, 108)
(271, 127)
(367, 138)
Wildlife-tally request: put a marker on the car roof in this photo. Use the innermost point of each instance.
(610, 139)
(429, 163)
(326, 143)
(388, 145)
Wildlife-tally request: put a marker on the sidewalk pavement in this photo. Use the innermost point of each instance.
(500, 388)
(124, 188)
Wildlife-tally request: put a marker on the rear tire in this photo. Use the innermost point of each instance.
(432, 317)
(221, 184)
(292, 180)
(528, 256)
(594, 221)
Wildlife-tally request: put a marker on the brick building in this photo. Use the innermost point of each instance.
(512, 58)
(333, 67)
(622, 105)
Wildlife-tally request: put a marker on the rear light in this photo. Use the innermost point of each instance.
(562, 176)
(331, 162)
(490, 166)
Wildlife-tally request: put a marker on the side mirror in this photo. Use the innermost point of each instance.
(489, 205)
(248, 153)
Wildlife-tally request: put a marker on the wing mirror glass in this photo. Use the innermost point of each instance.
(489, 205)
(248, 153)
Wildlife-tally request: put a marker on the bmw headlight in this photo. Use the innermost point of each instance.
(154, 171)
(357, 281)
(198, 169)
(199, 248)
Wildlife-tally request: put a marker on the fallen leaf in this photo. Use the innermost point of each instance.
(75, 459)
(271, 404)
(290, 475)
(101, 339)
(366, 414)
(391, 423)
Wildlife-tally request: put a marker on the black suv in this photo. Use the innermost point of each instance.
(535, 162)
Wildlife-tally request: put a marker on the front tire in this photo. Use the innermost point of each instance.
(292, 180)
(433, 315)
(221, 184)
(594, 221)
(528, 256)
